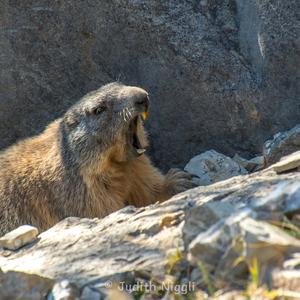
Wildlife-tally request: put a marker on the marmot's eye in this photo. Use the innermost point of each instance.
(98, 110)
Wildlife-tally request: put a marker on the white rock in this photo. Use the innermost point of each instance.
(64, 290)
(211, 167)
(19, 237)
(287, 163)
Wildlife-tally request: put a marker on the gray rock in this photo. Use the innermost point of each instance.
(241, 236)
(90, 294)
(21, 286)
(211, 167)
(251, 165)
(221, 74)
(259, 161)
(261, 238)
(282, 144)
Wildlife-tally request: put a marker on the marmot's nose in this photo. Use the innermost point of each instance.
(142, 102)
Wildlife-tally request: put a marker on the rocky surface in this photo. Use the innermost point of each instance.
(210, 238)
(210, 167)
(224, 74)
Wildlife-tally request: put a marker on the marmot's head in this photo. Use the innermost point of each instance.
(106, 123)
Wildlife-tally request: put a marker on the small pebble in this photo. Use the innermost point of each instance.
(19, 237)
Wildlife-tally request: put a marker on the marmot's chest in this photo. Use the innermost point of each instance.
(116, 184)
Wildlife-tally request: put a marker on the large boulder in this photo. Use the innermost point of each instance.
(221, 74)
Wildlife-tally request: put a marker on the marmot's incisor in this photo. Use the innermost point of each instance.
(88, 163)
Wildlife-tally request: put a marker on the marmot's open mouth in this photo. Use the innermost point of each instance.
(134, 140)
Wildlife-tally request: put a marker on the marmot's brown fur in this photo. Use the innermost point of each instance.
(88, 163)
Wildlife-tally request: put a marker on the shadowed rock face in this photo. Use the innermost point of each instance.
(221, 74)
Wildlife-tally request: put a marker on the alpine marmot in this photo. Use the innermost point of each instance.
(88, 163)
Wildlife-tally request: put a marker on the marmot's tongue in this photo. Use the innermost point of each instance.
(133, 139)
(137, 145)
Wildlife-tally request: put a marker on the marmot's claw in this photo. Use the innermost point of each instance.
(177, 181)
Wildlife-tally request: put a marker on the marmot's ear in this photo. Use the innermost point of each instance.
(70, 120)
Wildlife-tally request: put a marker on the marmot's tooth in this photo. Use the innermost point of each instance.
(145, 115)
(140, 151)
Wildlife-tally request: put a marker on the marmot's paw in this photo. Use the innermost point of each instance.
(177, 181)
